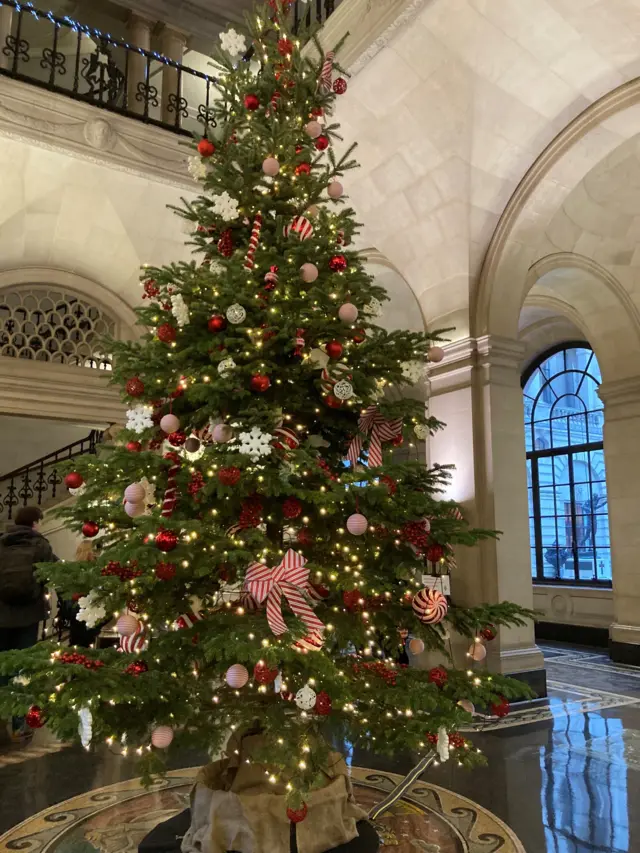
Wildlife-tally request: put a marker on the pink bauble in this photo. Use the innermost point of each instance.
(357, 524)
(430, 606)
(169, 424)
(467, 706)
(162, 736)
(335, 189)
(477, 651)
(309, 272)
(133, 510)
(237, 676)
(271, 167)
(416, 646)
(127, 625)
(348, 312)
(313, 129)
(313, 211)
(222, 433)
(435, 354)
(134, 493)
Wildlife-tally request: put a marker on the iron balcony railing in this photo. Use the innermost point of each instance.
(39, 481)
(64, 56)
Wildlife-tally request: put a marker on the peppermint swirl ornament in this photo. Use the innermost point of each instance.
(300, 227)
(430, 606)
(236, 313)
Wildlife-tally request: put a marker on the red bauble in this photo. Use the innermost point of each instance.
(322, 142)
(134, 387)
(390, 483)
(297, 815)
(332, 401)
(317, 111)
(501, 708)
(398, 441)
(263, 675)
(291, 508)
(338, 263)
(90, 529)
(134, 446)
(206, 148)
(34, 717)
(165, 571)
(251, 102)
(285, 47)
(438, 676)
(260, 383)
(359, 336)
(73, 480)
(136, 668)
(166, 333)
(304, 536)
(334, 349)
(151, 289)
(217, 323)
(229, 476)
(352, 599)
(434, 553)
(225, 244)
(166, 540)
(177, 439)
(340, 86)
(318, 592)
(323, 704)
(488, 633)
(303, 169)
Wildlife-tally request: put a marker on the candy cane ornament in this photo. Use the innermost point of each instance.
(327, 72)
(253, 242)
(171, 494)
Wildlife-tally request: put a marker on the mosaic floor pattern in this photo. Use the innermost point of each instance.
(428, 819)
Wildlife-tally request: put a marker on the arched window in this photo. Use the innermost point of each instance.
(568, 513)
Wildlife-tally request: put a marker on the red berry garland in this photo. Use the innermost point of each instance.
(229, 476)
(435, 553)
(196, 484)
(456, 740)
(177, 439)
(151, 289)
(251, 514)
(378, 669)
(225, 244)
(125, 573)
(80, 660)
(416, 534)
(285, 47)
(136, 668)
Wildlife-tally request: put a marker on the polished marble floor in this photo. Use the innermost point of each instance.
(562, 773)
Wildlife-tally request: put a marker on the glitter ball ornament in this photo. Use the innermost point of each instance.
(309, 273)
(169, 423)
(134, 493)
(260, 383)
(206, 148)
(488, 633)
(166, 333)
(225, 244)
(467, 706)
(177, 439)
(434, 553)
(357, 524)
(285, 46)
(322, 142)
(236, 313)
(305, 698)
(229, 476)
(291, 508)
(162, 736)
(226, 366)
(90, 529)
(348, 313)
(134, 510)
(270, 167)
(416, 646)
(134, 387)
(438, 676)
(335, 190)
(340, 86)
(237, 676)
(166, 540)
(430, 606)
(300, 227)
(313, 129)
(343, 390)
(165, 571)
(34, 717)
(251, 102)
(501, 708)
(217, 323)
(73, 480)
(334, 349)
(323, 704)
(338, 263)
(303, 169)
(297, 815)
(435, 354)
(134, 446)
(477, 651)
(222, 433)
(127, 625)
(263, 674)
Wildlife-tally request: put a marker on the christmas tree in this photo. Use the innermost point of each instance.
(261, 551)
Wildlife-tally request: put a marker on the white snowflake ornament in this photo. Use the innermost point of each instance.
(343, 390)
(90, 611)
(233, 43)
(236, 313)
(374, 308)
(255, 443)
(85, 726)
(443, 744)
(197, 168)
(179, 310)
(413, 371)
(226, 366)
(225, 206)
(305, 698)
(139, 418)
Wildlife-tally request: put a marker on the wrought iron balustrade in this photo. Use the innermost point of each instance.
(64, 56)
(39, 481)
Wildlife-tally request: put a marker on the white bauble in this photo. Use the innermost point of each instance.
(421, 431)
(236, 313)
(305, 698)
(226, 366)
(343, 390)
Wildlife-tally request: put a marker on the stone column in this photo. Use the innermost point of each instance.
(172, 45)
(139, 36)
(476, 392)
(622, 462)
(6, 20)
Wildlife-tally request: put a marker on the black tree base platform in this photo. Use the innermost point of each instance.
(167, 837)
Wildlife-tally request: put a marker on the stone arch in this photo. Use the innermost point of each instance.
(403, 309)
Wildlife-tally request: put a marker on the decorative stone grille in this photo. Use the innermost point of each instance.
(49, 324)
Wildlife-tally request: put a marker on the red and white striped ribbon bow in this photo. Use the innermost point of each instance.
(289, 578)
(253, 242)
(327, 72)
(379, 429)
(171, 494)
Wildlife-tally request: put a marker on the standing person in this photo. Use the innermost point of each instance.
(22, 596)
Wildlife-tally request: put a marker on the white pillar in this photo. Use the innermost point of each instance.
(139, 36)
(173, 44)
(6, 20)
(476, 392)
(622, 462)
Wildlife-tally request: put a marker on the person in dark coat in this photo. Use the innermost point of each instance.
(22, 597)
